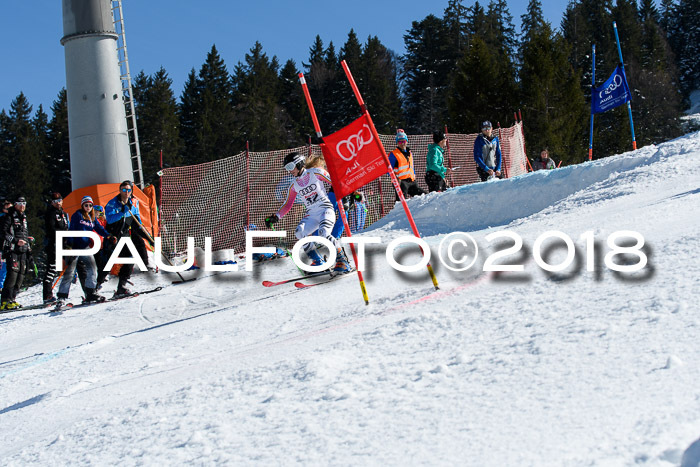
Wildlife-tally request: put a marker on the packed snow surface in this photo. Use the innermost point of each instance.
(567, 368)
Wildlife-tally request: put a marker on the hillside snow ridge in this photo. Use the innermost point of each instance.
(528, 369)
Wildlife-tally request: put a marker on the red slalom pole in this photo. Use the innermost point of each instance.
(339, 202)
(394, 180)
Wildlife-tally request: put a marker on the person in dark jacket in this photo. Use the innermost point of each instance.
(83, 220)
(123, 219)
(487, 153)
(16, 251)
(543, 162)
(55, 220)
(6, 204)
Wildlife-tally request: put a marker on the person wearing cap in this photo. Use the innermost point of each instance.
(83, 220)
(487, 153)
(543, 161)
(124, 220)
(401, 160)
(6, 204)
(435, 169)
(55, 220)
(16, 251)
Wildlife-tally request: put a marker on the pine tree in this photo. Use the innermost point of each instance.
(322, 73)
(626, 16)
(477, 23)
(157, 123)
(346, 103)
(256, 96)
(552, 98)
(295, 116)
(190, 123)
(206, 112)
(532, 21)
(686, 44)
(503, 29)
(455, 19)
(58, 145)
(6, 157)
(426, 75)
(470, 101)
(28, 176)
(379, 86)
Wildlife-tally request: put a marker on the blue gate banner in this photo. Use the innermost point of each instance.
(613, 93)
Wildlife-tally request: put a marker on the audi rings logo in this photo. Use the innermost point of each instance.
(349, 148)
(617, 82)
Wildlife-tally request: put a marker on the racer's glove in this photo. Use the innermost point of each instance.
(271, 220)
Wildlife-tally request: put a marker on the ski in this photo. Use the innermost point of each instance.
(113, 299)
(286, 281)
(27, 308)
(301, 285)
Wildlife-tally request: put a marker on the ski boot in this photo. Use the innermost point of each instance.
(122, 291)
(92, 296)
(50, 301)
(61, 300)
(315, 258)
(342, 266)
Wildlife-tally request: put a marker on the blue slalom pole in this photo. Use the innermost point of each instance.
(590, 139)
(629, 105)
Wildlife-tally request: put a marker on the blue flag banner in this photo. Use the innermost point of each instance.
(613, 93)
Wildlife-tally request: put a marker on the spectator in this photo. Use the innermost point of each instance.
(101, 257)
(123, 219)
(435, 168)
(16, 251)
(401, 161)
(543, 162)
(487, 153)
(56, 219)
(6, 204)
(83, 220)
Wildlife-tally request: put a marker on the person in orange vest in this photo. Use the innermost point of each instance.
(401, 161)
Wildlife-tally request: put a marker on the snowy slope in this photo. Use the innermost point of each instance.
(511, 369)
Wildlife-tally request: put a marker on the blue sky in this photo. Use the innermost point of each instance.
(178, 35)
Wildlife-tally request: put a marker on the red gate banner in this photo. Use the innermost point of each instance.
(352, 156)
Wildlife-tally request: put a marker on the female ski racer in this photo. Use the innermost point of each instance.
(320, 215)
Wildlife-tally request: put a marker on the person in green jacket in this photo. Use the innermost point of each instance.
(435, 168)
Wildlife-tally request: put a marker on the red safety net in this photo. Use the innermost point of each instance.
(221, 199)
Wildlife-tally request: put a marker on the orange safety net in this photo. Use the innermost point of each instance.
(221, 199)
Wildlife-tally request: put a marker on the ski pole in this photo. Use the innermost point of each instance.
(279, 242)
(150, 239)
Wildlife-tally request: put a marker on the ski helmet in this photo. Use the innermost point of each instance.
(293, 160)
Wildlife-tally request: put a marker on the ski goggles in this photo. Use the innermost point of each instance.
(126, 190)
(290, 166)
(98, 208)
(21, 203)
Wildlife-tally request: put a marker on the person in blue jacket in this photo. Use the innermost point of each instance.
(435, 169)
(123, 219)
(83, 220)
(487, 153)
